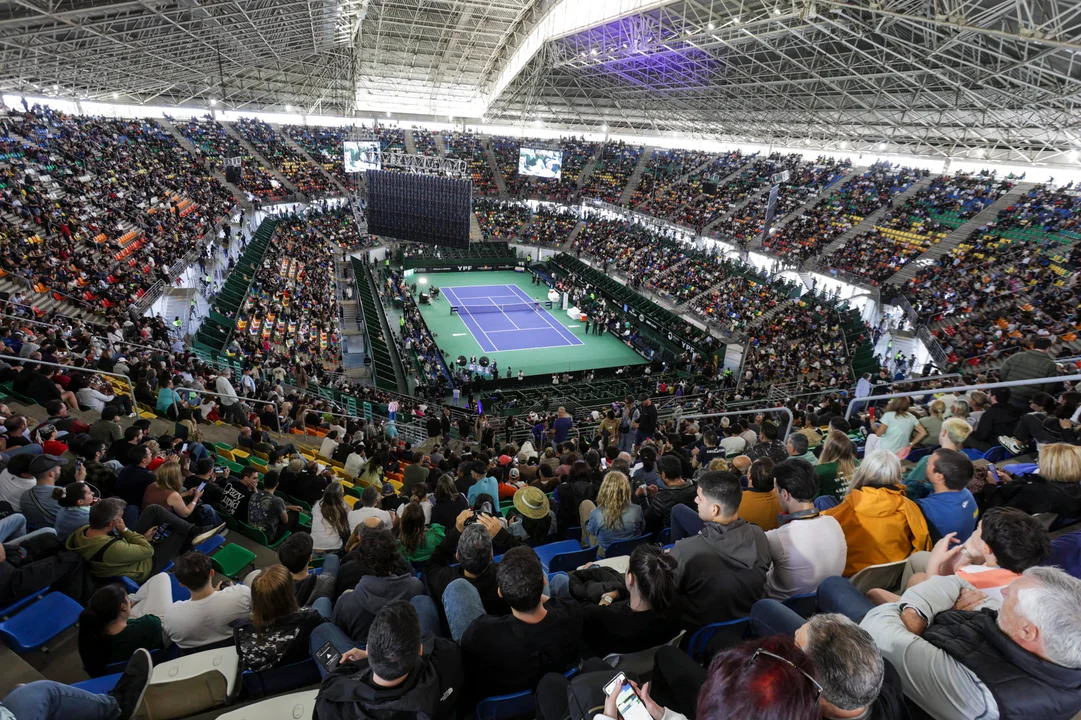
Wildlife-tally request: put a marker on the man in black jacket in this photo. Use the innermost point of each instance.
(405, 671)
(657, 502)
(999, 419)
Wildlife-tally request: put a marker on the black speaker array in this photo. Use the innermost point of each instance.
(419, 208)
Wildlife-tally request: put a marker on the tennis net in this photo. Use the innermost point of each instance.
(495, 308)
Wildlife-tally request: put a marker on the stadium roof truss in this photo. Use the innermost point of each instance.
(993, 79)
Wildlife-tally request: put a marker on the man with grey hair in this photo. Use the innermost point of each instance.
(473, 547)
(797, 446)
(957, 663)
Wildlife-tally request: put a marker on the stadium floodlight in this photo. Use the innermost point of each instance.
(116, 95)
(213, 102)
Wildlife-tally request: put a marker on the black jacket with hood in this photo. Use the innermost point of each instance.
(355, 611)
(721, 572)
(430, 692)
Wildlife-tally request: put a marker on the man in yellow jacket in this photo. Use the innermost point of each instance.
(880, 524)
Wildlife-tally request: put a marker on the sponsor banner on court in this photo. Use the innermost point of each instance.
(479, 265)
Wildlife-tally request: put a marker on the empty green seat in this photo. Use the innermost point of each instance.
(231, 559)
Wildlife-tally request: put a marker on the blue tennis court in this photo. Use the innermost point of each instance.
(505, 317)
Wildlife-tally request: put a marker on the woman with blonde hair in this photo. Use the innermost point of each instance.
(836, 465)
(880, 524)
(279, 631)
(615, 516)
(1055, 487)
(330, 520)
(932, 424)
(168, 491)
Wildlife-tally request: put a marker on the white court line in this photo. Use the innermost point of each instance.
(558, 330)
(506, 316)
(458, 303)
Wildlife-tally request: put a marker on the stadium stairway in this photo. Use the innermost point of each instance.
(47, 302)
(304, 154)
(410, 142)
(250, 149)
(814, 200)
(587, 169)
(388, 372)
(952, 240)
(763, 190)
(238, 195)
(636, 177)
(573, 234)
(869, 222)
(217, 328)
(497, 174)
(720, 183)
(439, 144)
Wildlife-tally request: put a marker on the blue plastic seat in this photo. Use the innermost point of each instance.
(280, 679)
(572, 533)
(513, 705)
(547, 552)
(664, 536)
(973, 453)
(99, 685)
(40, 622)
(209, 545)
(626, 547)
(997, 454)
(6, 612)
(179, 591)
(565, 562)
(696, 646)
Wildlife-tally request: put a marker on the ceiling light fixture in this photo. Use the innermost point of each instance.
(116, 95)
(288, 108)
(710, 26)
(213, 102)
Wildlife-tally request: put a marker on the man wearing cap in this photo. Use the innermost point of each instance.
(511, 485)
(16, 479)
(40, 503)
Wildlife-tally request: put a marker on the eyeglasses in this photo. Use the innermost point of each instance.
(786, 661)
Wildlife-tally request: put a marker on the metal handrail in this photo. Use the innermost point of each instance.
(176, 409)
(754, 411)
(965, 388)
(128, 380)
(28, 320)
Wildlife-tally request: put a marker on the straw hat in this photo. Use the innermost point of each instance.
(531, 502)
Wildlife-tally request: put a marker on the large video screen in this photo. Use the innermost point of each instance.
(419, 208)
(361, 156)
(541, 163)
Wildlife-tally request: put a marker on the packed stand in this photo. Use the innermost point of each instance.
(425, 142)
(551, 225)
(807, 180)
(100, 208)
(771, 532)
(507, 150)
(215, 143)
(470, 147)
(1000, 285)
(663, 169)
(702, 210)
(614, 168)
(391, 139)
(325, 145)
(295, 167)
(669, 199)
(500, 219)
(291, 310)
(339, 226)
(831, 217)
(740, 299)
(910, 230)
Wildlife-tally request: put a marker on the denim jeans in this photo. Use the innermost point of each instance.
(13, 528)
(204, 515)
(462, 604)
(32, 449)
(685, 523)
(48, 700)
(332, 564)
(328, 632)
(838, 595)
(770, 617)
